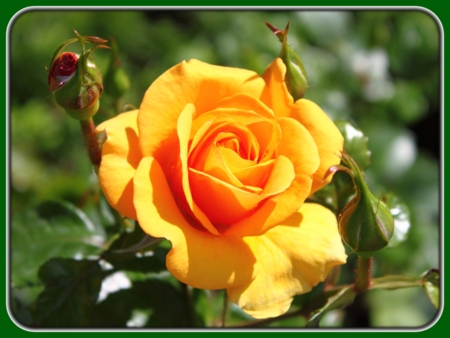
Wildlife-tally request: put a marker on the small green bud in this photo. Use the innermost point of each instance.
(116, 80)
(365, 224)
(75, 80)
(296, 78)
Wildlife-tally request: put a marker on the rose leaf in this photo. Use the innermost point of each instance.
(71, 290)
(52, 229)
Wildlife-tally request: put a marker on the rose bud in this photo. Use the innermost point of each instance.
(75, 80)
(62, 70)
(365, 224)
(296, 78)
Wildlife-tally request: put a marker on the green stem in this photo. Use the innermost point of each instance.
(363, 274)
(122, 222)
(190, 304)
(91, 142)
(225, 308)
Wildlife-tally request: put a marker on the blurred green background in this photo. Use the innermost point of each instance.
(379, 69)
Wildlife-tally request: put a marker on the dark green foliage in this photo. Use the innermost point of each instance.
(71, 290)
(52, 229)
(338, 301)
(168, 306)
(431, 283)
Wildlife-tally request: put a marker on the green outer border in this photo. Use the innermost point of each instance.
(12, 8)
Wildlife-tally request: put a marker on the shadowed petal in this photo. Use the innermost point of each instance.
(197, 258)
(223, 203)
(184, 131)
(326, 135)
(120, 158)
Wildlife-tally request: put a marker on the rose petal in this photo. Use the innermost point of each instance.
(258, 119)
(326, 135)
(223, 203)
(252, 104)
(246, 102)
(184, 130)
(216, 166)
(298, 146)
(291, 259)
(208, 153)
(197, 258)
(280, 178)
(230, 141)
(241, 123)
(194, 82)
(279, 98)
(253, 176)
(234, 160)
(120, 158)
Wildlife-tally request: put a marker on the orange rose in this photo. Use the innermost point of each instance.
(220, 161)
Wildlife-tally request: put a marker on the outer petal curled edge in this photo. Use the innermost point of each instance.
(197, 258)
(120, 158)
(291, 259)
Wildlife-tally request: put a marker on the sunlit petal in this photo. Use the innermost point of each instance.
(291, 259)
(120, 158)
(197, 258)
(326, 135)
(298, 146)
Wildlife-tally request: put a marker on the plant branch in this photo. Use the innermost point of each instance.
(225, 308)
(90, 140)
(363, 274)
(190, 304)
(391, 282)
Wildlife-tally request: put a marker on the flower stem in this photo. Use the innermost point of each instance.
(225, 308)
(190, 305)
(363, 274)
(90, 140)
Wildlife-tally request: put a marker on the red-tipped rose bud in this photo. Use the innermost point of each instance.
(296, 78)
(62, 70)
(75, 81)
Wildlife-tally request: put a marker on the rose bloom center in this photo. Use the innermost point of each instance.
(229, 154)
